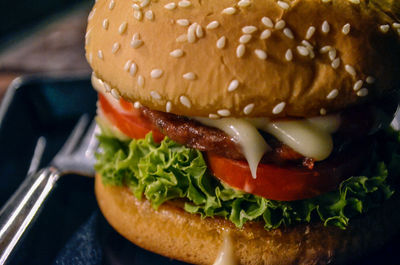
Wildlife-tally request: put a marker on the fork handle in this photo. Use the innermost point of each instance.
(21, 208)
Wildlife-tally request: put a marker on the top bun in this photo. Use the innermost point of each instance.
(270, 58)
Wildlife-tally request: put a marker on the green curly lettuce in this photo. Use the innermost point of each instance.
(167, 170)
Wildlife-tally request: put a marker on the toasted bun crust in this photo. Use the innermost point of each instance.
(174, 233)
(286, 83)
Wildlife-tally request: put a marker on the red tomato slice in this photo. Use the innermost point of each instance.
(287, 183)
(130, 123)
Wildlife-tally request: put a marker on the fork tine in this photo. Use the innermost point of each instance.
(75, 135)
(89, 142)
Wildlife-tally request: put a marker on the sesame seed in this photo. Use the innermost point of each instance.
(91, 14)
(307, 44)
(189, 76)
(156, 73)
(181, 38)
(229, 11)
(105, 23)
(170, 6)
(191, 35)
(289, 55)
(115, 93)
(183, 22)
(265, 34)
(221, 42)
(111, 5)
(249, 29)
(333, 94)
(310, 32)
(138, 15)
(396, 25)
(233, 85)
(370, 80)
(199, 31)
(267, 22)
(332, 54)
(224, 112)
(136, 36)
(384, 28)
(140, 81)
(155, 95)
(213, 116)
(176, 53)
(325, 49)
(303, 51)
(106, 87)
(244, 3)
(184, 3)
(288, 33)
(90, 59)
(248, 109)
(168, 106)
(185, 101)
(278, 108)
(362, 92)
(133, 69)
(322, 111)
(136, 43)
(127, 65)
(245, 38)
(335, 63)
(350, 69)
(145, 3)
(149, 15)
(312, 54)
(137, 105)
(357, 85)
(262, 55)
(325, 27)
(122, 28)
(87, 37)
(213, 25)
(240, 50)
(283, 5)
(136, 6)
(280, 24)
(355, 1)
(115, 47)
(100, 54)
(326, 1)
(346, 29)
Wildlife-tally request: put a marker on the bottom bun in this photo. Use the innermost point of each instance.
(174, 233)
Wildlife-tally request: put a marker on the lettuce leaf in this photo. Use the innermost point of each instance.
(167, 170)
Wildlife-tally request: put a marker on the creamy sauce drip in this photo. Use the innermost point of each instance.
(226, 255)
(245, 135)
(309, 137)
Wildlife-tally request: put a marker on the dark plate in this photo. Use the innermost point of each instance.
(70, 229)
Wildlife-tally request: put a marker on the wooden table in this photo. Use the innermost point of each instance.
(57, 46)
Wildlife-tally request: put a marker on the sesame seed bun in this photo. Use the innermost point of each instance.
(174, 233)
(246, 58)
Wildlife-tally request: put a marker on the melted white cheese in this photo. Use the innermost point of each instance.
(309, 137)
(226, 255)
(245, 135)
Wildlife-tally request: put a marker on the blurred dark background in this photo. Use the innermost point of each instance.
(42, 36)
(19, 15)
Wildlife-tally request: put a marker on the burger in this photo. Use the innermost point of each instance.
(251, 131)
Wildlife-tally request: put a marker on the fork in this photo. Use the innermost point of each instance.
(76, 156)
